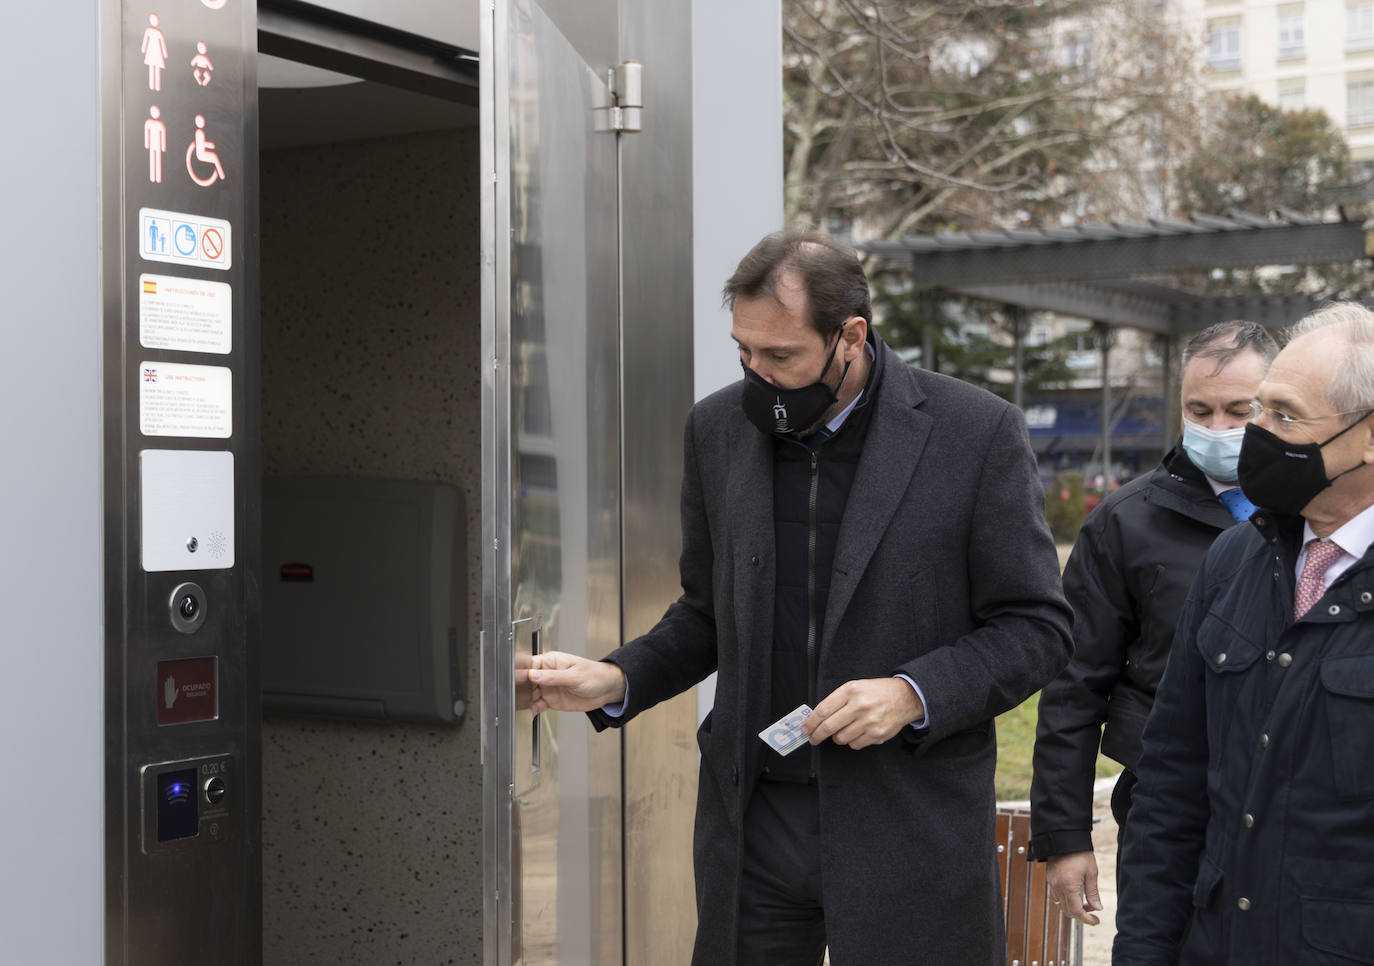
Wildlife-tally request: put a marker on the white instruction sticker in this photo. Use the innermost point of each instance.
(184, 313)
(180, 400)
(183, 239)
(785, 735)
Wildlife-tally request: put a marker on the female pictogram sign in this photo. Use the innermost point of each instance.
(204, 152)
(154, 53)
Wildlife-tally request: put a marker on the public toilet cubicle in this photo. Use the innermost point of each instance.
(379, 362)
(414, 330)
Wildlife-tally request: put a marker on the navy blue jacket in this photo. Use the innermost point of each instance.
(1251, 836)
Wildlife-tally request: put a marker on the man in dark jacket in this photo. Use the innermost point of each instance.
(1251, 838)
(867, 540)
(1126, 580)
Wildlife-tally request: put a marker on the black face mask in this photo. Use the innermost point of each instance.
(783, 411)
(1284, 476)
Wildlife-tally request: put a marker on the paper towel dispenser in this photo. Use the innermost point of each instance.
(364, 598)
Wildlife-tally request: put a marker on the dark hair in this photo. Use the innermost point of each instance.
(834, 281)
(1223, 341)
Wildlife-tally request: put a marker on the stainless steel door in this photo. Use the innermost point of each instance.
(551, 501)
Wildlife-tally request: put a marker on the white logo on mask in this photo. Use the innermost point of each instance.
(780, 414)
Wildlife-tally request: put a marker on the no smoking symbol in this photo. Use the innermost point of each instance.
(212, 243)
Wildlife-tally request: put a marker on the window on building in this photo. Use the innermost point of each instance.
(1078, 50)
(1359, 101)
(1223, 46)
(1292, 95)
(1359, 25)
(1292, 41)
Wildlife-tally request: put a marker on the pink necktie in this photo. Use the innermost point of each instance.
(1312, 584)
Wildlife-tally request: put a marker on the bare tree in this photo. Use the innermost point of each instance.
(904, 116)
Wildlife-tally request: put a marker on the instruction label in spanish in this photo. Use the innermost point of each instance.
(180, 400)
(184, 313)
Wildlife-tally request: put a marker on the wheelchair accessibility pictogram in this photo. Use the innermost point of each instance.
(202, 150)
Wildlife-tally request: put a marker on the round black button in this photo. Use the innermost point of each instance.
(189, 607)
(215, 790)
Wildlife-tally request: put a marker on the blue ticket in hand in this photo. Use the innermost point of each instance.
(785, 734)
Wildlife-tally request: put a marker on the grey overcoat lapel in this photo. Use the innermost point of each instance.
(897, 434)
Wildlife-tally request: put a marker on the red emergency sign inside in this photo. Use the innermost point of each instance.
(186, 690)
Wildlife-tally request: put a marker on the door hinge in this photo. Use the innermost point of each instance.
(624, 112)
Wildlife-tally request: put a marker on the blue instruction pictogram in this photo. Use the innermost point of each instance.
(157, 236)
(184, 237)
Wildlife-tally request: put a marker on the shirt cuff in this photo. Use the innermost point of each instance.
(921, 723)
(617, 710)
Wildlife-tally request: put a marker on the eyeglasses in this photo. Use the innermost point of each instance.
(1286, 422)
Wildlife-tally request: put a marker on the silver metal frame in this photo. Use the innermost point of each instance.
(498, 695)
(112, 427)
(161, 897)
(656, 229)
(551, 478)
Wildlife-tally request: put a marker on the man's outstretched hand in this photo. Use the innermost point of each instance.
(565, 682)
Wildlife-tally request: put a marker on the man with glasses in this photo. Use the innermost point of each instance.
(1126, 580)
(1251, 838)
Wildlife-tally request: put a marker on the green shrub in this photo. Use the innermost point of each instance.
(1065, 507)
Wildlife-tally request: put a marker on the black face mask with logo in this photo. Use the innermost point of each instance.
(784, 411)
(1284, 476)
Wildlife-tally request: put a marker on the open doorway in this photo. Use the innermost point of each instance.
(370, 308)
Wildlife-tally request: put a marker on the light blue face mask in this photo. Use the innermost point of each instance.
(1214, 451)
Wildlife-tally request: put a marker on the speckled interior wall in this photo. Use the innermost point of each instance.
(371, 337)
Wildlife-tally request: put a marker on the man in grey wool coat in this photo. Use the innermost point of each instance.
(866, 565)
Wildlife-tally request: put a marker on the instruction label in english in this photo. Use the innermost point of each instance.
(181, 400)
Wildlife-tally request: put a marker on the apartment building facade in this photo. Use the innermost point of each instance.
(1313, 54)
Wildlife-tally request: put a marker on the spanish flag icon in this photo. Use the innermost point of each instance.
(149, 287)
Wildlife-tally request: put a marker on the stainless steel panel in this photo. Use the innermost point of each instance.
(589, 26)
(164, 899)
(551, 573)
(656, 240)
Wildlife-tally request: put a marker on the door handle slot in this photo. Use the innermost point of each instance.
(535, 640)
